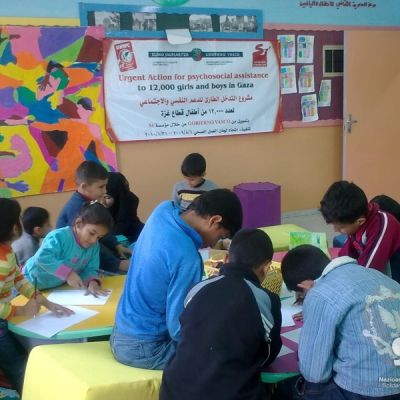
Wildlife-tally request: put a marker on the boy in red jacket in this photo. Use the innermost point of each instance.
(373, 236)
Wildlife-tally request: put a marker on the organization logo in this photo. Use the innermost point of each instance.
(260, 56)
(196, 54)
(125, 56)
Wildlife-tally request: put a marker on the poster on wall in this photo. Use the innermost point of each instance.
(306, 79)
(288, 79)
(288, 48)
(51, 108)
(309, 108)
(155, 90)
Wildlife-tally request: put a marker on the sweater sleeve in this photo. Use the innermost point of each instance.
(92, 268)
(378, 246)
(50, 259)
(9, 268)
(275, 334)
(317, 339)
(185, 277)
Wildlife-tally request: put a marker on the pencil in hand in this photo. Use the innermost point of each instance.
(35, 292)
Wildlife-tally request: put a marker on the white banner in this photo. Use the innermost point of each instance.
(155, 90)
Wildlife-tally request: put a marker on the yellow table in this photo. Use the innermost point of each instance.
(280, 235)
(100, 324)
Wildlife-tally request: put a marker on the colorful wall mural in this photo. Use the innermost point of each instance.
(51, 107)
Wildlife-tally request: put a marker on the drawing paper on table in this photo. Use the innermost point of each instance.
(294, 335)
(48, 323)
(77, 297)
(284, 350)
(288, 309)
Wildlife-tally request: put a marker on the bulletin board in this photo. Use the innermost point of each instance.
(291, 103)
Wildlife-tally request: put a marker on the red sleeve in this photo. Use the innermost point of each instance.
(377, 248)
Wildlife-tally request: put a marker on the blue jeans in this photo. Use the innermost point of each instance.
(330, 391)
(12, 357)
(141, 353)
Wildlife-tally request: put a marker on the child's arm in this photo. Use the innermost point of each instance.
(50, 260)
(185, 277)
(91, 270)
(275, 334)
(9, 270)
(378, 246)
(90, 275)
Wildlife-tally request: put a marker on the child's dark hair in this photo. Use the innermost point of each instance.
(90, 172)
(33, 217)
(10, 212)
(388, 204)
(305, 262)
(344, 202)
(95, 213)
(251, 247)
(221, 202)
(194, 164)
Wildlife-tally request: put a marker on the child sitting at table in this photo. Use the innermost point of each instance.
(193, 169)
(349, 345)
(12, 356)
(230, 328)
(36, 223)
(71, 254)
(373, 236)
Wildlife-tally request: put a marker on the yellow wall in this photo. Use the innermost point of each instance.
(304, 161)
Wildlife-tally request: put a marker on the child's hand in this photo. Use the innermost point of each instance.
(298, 316)
(57, 309)
(95, 289)
(299, 298)
(30, 309)
(124, 265)
(75, 281)
(123, 251)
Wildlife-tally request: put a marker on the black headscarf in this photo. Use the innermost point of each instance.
(124, 209)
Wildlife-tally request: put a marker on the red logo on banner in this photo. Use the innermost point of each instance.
(125, 56)
(260, 56)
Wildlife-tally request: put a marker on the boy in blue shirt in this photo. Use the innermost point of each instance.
(91, 179)
(164, 266)
(349, 345)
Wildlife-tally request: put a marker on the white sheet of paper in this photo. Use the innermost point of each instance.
(284, 350)
(288, 309)
(294, 335)
(76, 297)
(48, 323)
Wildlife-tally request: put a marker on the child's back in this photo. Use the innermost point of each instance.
(230, 328)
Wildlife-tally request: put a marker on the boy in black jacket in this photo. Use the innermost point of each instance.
(230, 329)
